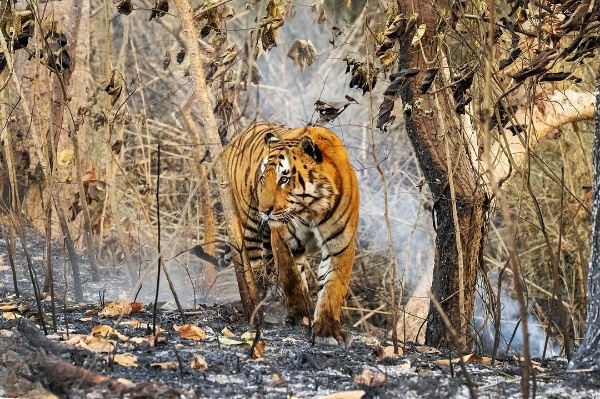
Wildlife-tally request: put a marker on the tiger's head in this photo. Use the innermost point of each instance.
(292, 181)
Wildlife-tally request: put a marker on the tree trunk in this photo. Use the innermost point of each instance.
(461, 202)
(243, 271)
(588, 355)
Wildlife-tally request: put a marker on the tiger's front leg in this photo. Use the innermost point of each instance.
(334, 277)
(290, 280)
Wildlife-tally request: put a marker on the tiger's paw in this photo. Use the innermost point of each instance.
(330, 329)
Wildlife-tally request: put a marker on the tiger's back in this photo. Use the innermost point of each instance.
(296, 192)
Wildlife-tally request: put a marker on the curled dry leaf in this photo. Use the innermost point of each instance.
(367, 378)
(123, 6)
(116, 309)
(190, 331)
(165, 365)
(303, 52)
(96, 344)
(227, 333)
(161, 7)
(418, 34)
(199, 363)
(102, 330)
(126, 360)
(65, 157)
(258, 349)
(10, 315)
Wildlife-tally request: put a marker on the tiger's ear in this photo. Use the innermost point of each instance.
(270, 138)
(311, 149)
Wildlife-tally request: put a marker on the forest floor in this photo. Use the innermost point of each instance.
(93, 353)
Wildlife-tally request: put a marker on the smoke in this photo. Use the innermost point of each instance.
(511, 329)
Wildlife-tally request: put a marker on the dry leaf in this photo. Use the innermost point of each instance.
(116, 309)
(9, 315)
(345, 395)
(369, 379)
(165, 365)
(303, 52)
(470, 358)
(126, 360)
(418, 34)
(227, 333)
(84, 319)
(190, 331)
(199, 363)
(96, 344)
(229, 341)
(65, 157)
(102, 330)
(135, 323)
(258, 350)
(428, 350)
(8, 308)
(89, 312)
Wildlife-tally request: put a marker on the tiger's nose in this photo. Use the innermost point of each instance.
(264, 213)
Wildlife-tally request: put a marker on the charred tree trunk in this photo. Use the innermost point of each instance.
(461, 202)
(588, 355)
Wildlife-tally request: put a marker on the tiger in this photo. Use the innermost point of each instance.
(296, 192)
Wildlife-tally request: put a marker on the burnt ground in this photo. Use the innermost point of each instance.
(289, 365)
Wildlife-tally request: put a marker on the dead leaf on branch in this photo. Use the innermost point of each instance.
(430, 74)
(167, 60)
(114, 87)
(537, 66)
(181, 56)
(65, 157)
(123, 6)
(328, 111)
(303, 52)
(161, 7)
(364, 76)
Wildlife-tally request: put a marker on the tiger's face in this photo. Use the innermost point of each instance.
(290, 182)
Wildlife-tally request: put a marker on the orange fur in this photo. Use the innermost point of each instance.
(296, 192)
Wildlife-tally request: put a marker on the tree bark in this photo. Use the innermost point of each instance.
(588, 355)
(461, 202)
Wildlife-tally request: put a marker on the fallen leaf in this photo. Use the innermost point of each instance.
(84, 319)
(126, 360)
(229, 341)
(369, 379)
(258, 350)
(249, 336)
(345, 395)
(227, 333)
(470, 358)
(96, 344)
(116, 309)
(8, 307)
(89, 312)
(428, 350)
(9, 315)
(135, 323)
(190, 331)
(199, 363)
(290, 340)
(102, 330)
(165, 365)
